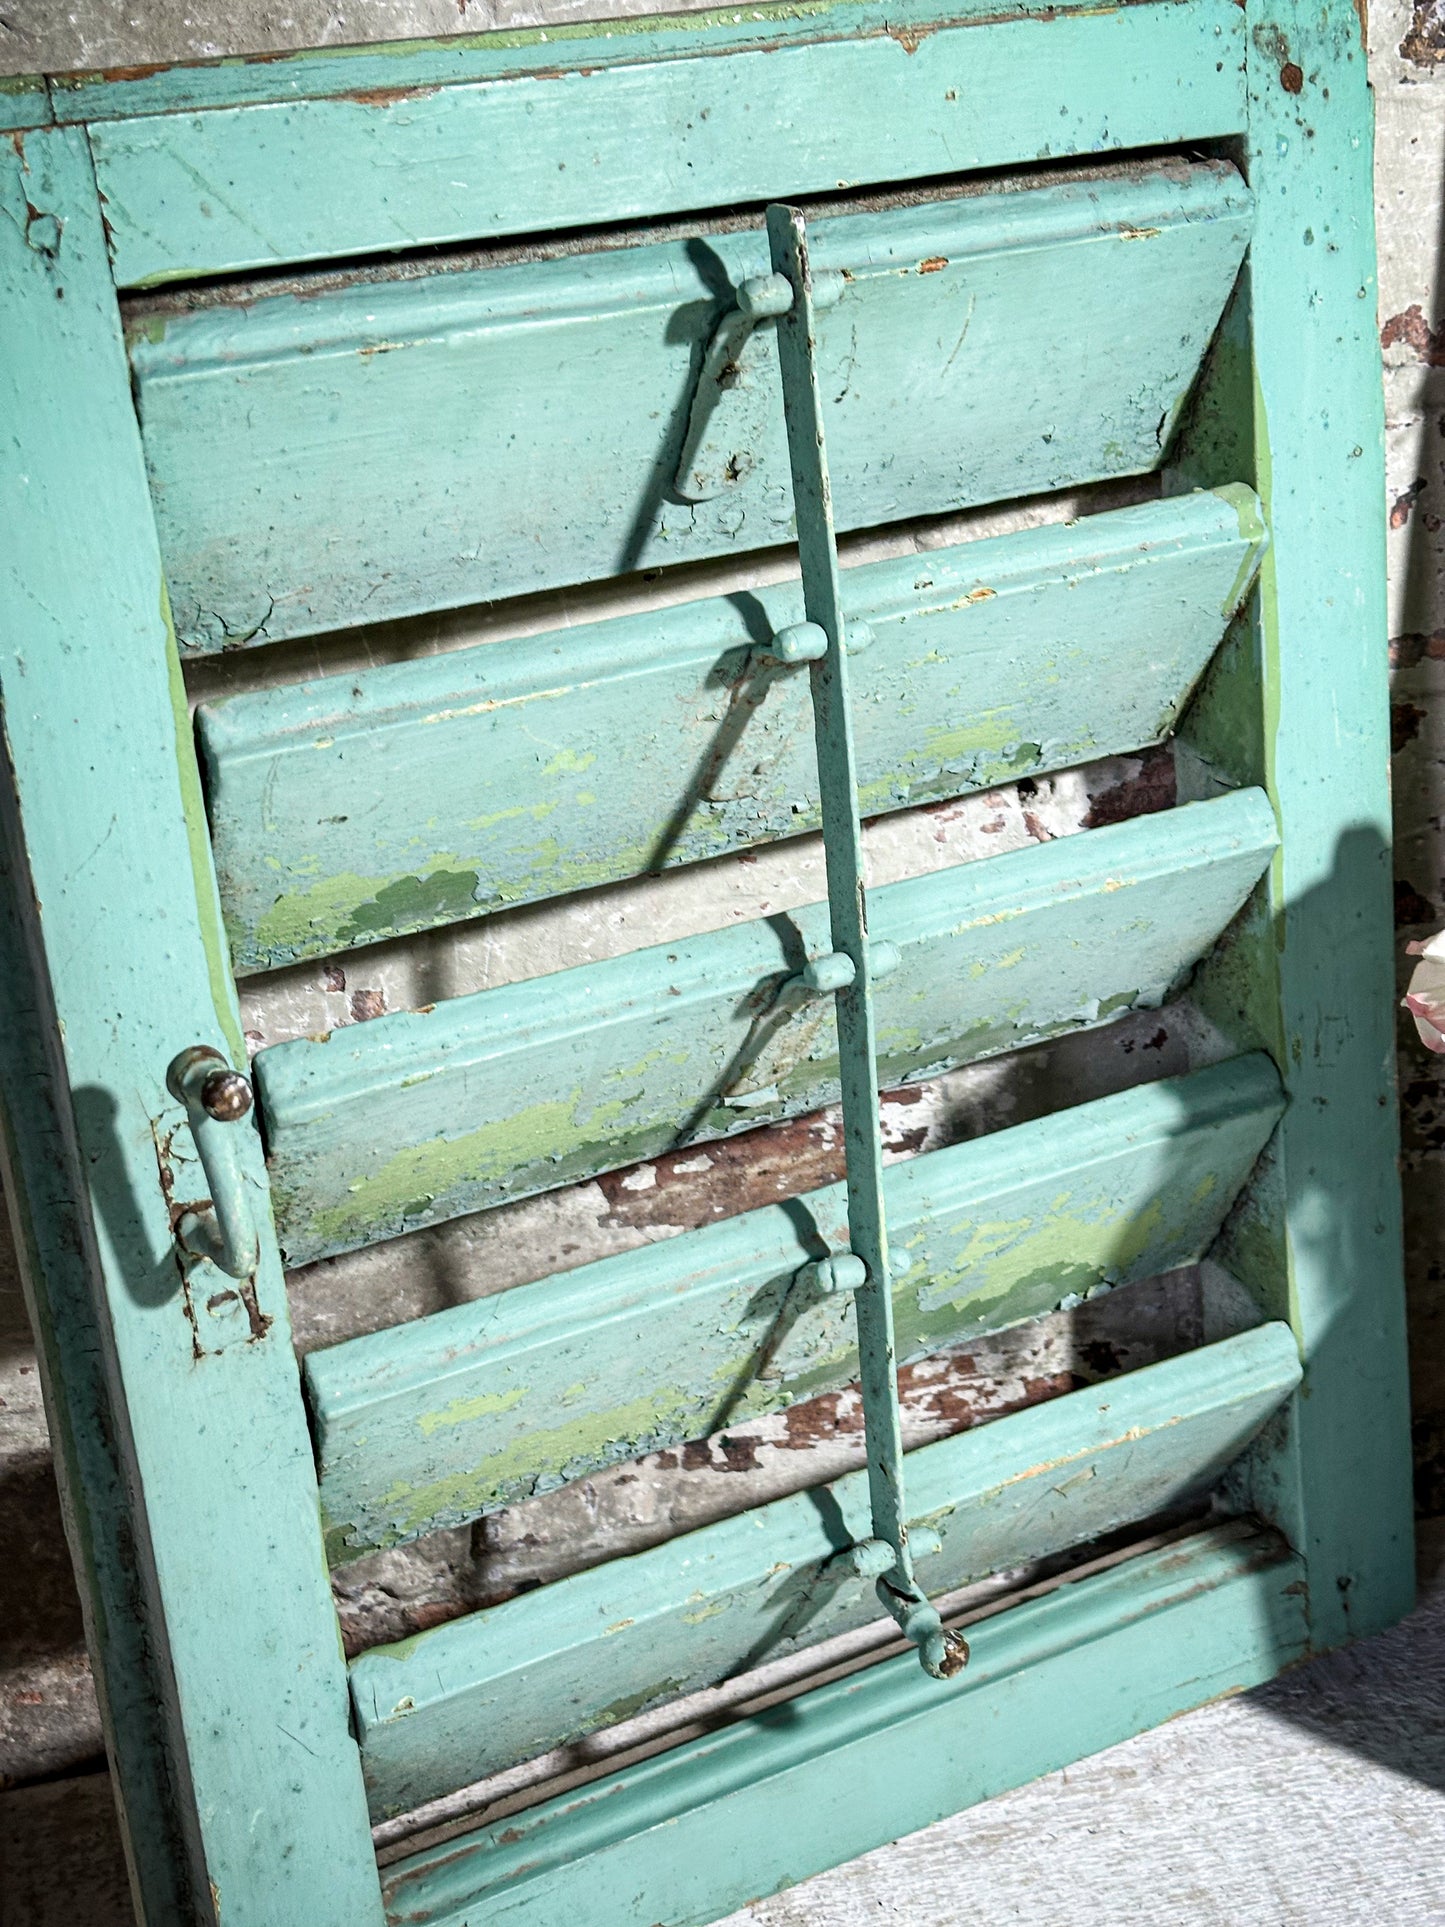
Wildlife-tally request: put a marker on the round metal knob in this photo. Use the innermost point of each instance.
(226, 1096)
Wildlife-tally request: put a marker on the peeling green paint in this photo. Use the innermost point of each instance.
(460, 1410)
(539, 1459)
(1253, 530)
(434, 736)
(411, 1119)
(994, 1231)
(401, 1192)
(345, 909)
(619, 1639)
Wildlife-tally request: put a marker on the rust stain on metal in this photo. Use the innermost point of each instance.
(227, 1095)
(955, 1655)
(260, 1322)
(933, 264)
(162, 1141)
(1274, 45)
(366, 1004)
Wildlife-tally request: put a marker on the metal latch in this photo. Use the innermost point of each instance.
(864, 1267)
(217, 1099)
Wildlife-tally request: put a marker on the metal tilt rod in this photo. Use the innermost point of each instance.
(885, 1557)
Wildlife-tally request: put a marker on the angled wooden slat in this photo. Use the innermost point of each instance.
(420, 1116)
(502, 1685)
(868, 1758)
(400, 446)
(213, 192)
(365, 806)
(433, 1423)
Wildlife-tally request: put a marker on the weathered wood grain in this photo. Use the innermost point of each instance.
(193, 194)
(472, 1697)
(423, 1115)
(400, 446)
(435, 1422)
(370, 805)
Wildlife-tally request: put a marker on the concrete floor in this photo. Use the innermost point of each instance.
(1318, 1799)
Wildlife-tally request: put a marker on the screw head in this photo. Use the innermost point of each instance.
(226, 1096)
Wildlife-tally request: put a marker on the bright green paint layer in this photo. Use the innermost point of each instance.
(436, 1422)
(346, 909)
(481, 1693)
(408, 1185)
